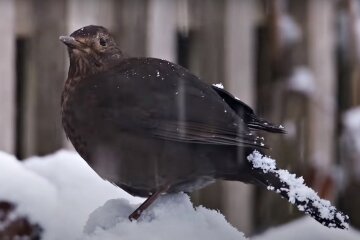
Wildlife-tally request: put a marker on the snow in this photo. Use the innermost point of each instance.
(350, 142)
(304, 228)
(351, 119)
(69, 200)
(302, 80)
(219, 85)
(171, 217)
(291, 130)
(259, 161)
(62, 194)
(60, 185)
(297, 190)
(15, 189)
(290, 32)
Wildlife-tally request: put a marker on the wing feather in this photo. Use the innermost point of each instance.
(162, 100)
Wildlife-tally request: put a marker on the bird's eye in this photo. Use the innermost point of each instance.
(102, 42)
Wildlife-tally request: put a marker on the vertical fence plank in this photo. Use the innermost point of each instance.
(130, 17)
(43, 132)
(206, 53)
(93, 12)
(239, 72)
(81, 13)
(161, 27)
(321, 60)
(23, 15)
(207, 47)
(7, 73)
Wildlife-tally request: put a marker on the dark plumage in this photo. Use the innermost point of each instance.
(154, 125)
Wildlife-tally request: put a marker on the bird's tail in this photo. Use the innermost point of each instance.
(295, 191)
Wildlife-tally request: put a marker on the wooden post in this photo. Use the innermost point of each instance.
(43, 130)
(7, 73)
(321, 61)
(93, 12)
(161, 28)
(130, 17)
(89, 12)
(206, 61)
(207, 47)
(351, 66)
(279, 56)
(349, 97)
(239, 79)
(24, 13)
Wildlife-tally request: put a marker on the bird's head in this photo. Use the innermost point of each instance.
(91, 49)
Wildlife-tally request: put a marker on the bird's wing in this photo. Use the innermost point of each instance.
(165, 101)
(191, 132)
(246, 113)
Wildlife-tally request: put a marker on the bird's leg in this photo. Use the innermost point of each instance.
(137, 213)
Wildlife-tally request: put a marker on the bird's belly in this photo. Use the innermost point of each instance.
(192, 184)
(141, 165)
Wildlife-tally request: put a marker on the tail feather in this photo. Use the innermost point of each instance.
(247, 114)
(296, 192)
(261, 124)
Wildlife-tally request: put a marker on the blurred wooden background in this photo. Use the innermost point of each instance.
(295, 61)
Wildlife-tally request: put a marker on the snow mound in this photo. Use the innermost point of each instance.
(304, 228)
(62, 194)
(171, 217)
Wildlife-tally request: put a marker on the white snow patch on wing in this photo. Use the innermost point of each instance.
(297, 190)
(219, 85)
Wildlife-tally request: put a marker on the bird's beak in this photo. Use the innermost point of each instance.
(70, 42)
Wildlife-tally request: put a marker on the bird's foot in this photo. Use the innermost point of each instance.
(137, 213)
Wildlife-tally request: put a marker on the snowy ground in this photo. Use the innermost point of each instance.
(69, 200)
(304, 228)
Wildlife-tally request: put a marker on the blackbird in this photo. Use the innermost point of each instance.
(156, 127)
